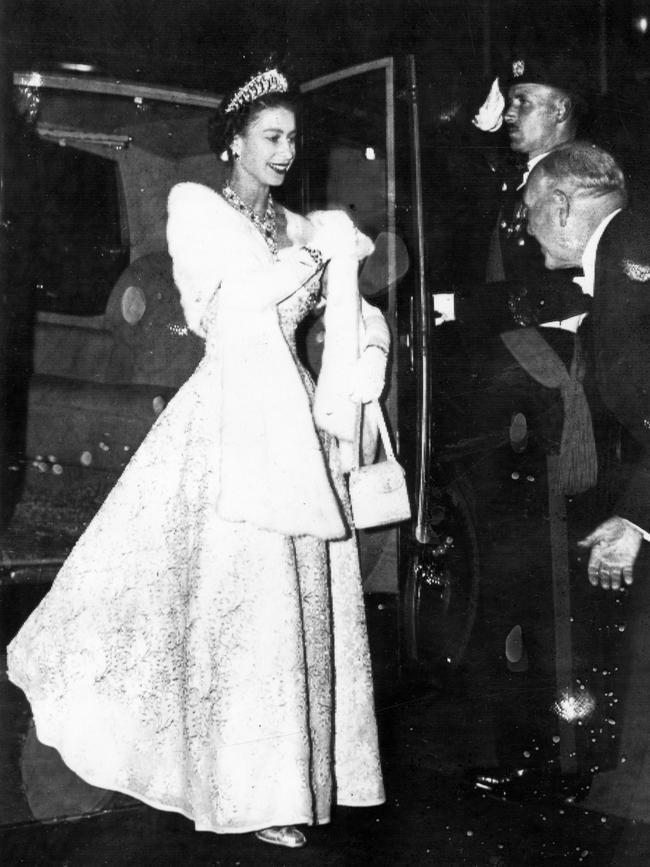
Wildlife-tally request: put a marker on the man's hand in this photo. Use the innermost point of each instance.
(614, 547)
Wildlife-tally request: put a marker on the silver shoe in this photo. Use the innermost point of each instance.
(282, 835)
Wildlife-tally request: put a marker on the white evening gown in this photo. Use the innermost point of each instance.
(204, 666)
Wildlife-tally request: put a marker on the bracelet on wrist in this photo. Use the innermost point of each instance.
(315, 255)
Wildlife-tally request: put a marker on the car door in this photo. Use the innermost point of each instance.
(348, 161)
(360, 151)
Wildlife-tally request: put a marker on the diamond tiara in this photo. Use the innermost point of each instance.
(270, 81)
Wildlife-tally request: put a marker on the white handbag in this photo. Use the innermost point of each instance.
(378, 492)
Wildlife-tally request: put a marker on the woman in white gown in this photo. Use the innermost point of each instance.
(204, 646)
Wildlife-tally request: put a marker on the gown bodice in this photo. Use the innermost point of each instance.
(294, 309)
(297, 307)
(291, 313)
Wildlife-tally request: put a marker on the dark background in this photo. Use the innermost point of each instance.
(459, 45)
(207, 43)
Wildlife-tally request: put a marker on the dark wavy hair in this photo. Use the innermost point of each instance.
(222, 127)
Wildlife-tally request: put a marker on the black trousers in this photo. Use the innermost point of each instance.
(514, 658)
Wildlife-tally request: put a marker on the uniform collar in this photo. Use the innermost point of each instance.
(530, 165)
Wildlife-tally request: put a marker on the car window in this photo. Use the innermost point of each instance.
(80, 244)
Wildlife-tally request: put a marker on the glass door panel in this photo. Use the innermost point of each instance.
(348, 163)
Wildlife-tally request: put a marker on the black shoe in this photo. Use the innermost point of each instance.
(490, 779)
(528, 784)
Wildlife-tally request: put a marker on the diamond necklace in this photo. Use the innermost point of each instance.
(265, 225)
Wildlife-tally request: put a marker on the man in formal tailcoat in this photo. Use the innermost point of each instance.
(575, 203)
(576, 209)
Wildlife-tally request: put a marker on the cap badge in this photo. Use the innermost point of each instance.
(518, 68)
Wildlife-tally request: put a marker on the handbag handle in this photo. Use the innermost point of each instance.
(376, 407)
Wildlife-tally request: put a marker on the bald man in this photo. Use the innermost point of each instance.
(575, 202)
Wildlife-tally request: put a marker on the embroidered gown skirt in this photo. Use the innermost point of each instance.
(203, 666)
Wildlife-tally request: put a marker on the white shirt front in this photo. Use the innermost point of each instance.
(586, 282)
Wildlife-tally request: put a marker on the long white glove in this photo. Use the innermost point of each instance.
(369, 375)
(336, 235)
(489, 117)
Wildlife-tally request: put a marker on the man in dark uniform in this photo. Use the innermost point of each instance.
(545, 104)
(544, 108)
(546, 101)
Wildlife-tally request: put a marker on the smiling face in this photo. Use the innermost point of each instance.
(534, 117)
(266, 148)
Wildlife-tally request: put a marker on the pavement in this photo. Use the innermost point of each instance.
(433, 726)
(430, 818)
